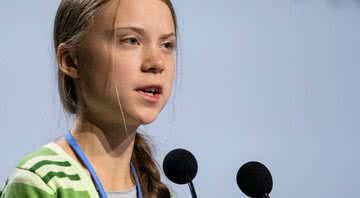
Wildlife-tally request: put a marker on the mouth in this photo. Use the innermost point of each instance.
(150, 89)
(150, 93)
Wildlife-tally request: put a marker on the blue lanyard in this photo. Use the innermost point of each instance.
(76, 148)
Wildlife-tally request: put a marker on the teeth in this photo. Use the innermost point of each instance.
(152, 90)
(151, 94)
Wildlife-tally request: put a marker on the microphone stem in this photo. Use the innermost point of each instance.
(192, 190)
(266, 195)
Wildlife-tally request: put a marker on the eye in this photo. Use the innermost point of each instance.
(131, 41)
(169, 45)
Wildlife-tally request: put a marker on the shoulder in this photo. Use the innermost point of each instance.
(50, 173)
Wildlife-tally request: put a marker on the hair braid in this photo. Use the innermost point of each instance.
(147, 168)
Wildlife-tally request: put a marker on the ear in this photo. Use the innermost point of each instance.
(68, 62)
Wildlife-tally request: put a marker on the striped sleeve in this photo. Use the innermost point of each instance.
(24, 183)
(46, 174)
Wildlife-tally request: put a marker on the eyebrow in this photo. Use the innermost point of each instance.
(142, 31)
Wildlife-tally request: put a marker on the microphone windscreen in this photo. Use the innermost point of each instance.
(180, 166)
(254, 179)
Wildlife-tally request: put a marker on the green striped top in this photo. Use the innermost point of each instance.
(49, 172)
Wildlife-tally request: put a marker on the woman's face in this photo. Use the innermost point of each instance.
(120, 58)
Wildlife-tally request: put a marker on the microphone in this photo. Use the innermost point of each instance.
(180, 167)
(254, 180)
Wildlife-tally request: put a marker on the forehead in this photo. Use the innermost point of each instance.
(149, 14)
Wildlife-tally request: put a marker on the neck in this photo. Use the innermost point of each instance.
(109, 150)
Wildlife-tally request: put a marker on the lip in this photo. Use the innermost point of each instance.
(150, 98)
(156, 86)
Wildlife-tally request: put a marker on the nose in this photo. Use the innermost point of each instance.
(153, 61)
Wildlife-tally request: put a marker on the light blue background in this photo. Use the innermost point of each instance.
(274, 81)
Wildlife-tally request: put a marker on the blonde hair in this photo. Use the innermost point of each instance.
(72, 21)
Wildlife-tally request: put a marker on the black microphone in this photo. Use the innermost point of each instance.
(180, 167)
(254, 180)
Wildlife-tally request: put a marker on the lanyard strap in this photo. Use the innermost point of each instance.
(76, 148)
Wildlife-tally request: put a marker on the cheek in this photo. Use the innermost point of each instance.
(171, 71)
(107, 67)
(122, 72)
(94, 76)
(170, 78)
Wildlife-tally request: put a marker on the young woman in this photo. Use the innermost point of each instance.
(115, 72)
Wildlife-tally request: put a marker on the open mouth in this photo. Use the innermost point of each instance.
(150, 91)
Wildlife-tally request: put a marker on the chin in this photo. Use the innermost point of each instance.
(147, 117)
(147, 120)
